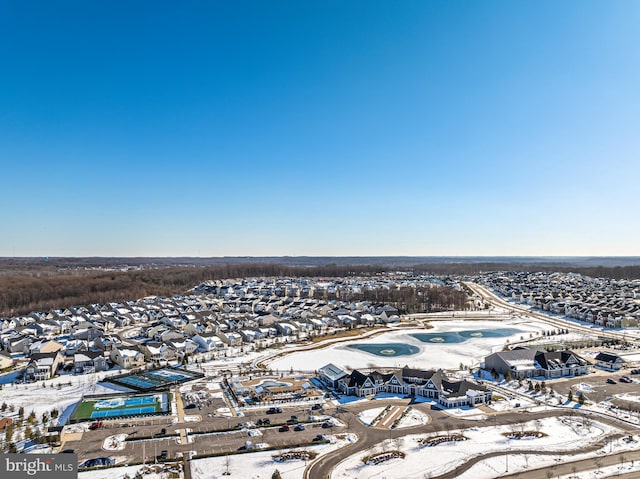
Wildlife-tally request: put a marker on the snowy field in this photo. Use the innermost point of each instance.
(34, 397)
(562, 434)
(259, 465)
(430, 355)
(126, 472)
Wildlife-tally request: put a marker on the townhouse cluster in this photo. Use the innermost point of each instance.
(215, 318)
(605, 302)
(431, 384)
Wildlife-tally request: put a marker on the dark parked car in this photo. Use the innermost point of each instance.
(326, 425)
(319, 437)
(163, 455)
(635, 371)
(163, 431)
(190, 406)
(299, 427)
(97, 461)
(284, 428)
(316, 406)
(264, 422)
(611, 381)
(271, 410)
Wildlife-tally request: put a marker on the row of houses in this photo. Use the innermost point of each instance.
(602, 301)
(406, 381)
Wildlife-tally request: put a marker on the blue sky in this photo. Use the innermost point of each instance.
(319, 128)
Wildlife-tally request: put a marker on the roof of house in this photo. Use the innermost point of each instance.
(332, 371)
(607, 357)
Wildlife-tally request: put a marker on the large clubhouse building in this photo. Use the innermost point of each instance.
(411, 382)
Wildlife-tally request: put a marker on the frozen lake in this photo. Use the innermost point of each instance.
(445, 346)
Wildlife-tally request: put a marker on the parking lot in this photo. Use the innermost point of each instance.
(216, 431)
(598, 389)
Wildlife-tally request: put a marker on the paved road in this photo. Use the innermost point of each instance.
(440, 422)
(575, 467)
(492, 298)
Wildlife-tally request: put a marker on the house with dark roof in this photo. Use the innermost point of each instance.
(416, 382)
(527, 363)
(42, 366)
(87, 362)
(609, 361)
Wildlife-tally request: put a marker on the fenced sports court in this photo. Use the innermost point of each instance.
(123, 406)
(160, 379)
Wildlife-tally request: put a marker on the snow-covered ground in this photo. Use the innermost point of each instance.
(413, 418)
(114, 443)
(367, 417)
(430, 355)
(34, 397)
(259, 465)
(124, 472)
(562, 434)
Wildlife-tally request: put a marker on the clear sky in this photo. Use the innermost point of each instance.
(319, 128)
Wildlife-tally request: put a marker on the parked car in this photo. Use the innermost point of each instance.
(316, 407)
(272, 410)
(264, 422)
(635, 371)
(95, 425)
(97, 461)
(625, 379)
(284, 428)
(319, 437)
(190, 406)
(611, 381)
(326, 425)
(163, 431)
(163, 455)
(299, 427)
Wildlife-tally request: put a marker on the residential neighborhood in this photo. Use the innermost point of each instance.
(600, 301)
(227, 349)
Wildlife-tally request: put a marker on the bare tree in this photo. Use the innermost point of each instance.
(227, 465)
(598, 462)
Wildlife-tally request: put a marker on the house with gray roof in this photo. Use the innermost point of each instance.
(527, 363)
(331, 374)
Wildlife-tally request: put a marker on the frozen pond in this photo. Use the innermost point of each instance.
(387, 349)
(462, 336)
(461, 342)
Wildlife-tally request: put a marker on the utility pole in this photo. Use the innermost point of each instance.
(506, 459)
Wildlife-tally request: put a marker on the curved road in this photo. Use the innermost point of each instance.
(369, 437)
(490, 297)
(440, 423)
